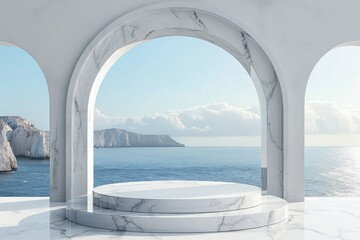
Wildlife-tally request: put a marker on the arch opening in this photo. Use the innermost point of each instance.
(24, 124)
(186, 88)
(332, 129)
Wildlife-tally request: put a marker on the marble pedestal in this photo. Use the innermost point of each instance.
(152, 207)
(177, 196)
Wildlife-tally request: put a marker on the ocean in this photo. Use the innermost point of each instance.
(329, 171)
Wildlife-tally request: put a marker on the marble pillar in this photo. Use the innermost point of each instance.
(272, 121)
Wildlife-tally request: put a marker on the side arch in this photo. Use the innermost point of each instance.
(330, 119)
(142, 25)
(55, 190)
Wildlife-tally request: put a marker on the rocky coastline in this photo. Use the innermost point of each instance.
(20, 138)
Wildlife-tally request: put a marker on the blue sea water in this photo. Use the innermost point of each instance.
(329, 171)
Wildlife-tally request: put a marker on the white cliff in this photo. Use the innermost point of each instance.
(25, 139)
(121, 138)
(40, 146)
(7, 158)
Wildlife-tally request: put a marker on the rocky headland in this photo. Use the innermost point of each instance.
(7, 158)
(20, 138)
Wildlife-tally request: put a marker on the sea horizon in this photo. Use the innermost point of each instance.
(329, 170)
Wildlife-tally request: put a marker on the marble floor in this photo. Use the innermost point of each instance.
(317, 218)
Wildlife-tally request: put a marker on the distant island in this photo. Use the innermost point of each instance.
(117, 138)
(20, 138)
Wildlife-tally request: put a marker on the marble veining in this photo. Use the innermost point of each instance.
(246, 55)
(55, 160)
(142, 29)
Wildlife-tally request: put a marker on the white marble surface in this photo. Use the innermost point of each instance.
(271, 211)
(177, 196)
(316, 219)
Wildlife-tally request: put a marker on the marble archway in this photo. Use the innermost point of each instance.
(146, 24)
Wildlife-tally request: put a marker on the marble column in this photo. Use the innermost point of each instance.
(57, 145)
(263, 111)
(271, 104)
(294, 148)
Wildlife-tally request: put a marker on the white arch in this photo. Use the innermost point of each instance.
(145, 24)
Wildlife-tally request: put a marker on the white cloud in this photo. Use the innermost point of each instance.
(220, 119)
(224, 120)
(329, 118)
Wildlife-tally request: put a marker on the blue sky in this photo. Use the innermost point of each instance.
(23, 87)
(194, 91)
(336, 77)
(173, 73)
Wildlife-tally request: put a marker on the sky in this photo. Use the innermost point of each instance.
(333, 100)
(24, 90)
(194, 91)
